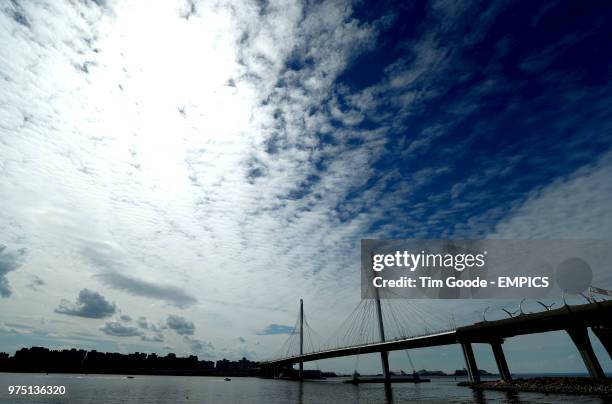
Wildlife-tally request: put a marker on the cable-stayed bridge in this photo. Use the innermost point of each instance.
(381, 326)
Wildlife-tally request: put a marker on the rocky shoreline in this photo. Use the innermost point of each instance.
(559, 385)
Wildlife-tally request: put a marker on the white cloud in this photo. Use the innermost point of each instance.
(128, 145)
(167, 154)
(575, 207)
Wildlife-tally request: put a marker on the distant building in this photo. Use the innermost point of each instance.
(241, 366)
(206, 365)
(39, 359)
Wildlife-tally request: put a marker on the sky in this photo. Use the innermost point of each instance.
(175, 176)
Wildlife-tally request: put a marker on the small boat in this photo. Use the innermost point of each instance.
(129, 377)
(227, 379)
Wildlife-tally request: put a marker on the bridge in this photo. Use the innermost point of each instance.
(574, 319)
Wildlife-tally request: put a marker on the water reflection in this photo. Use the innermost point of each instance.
(512, 397)
(301, 392)
(112, 389)
(388, 393)
(479, 396)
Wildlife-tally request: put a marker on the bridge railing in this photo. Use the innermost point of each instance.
(401, 338)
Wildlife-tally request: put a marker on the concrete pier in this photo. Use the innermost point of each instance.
(580, 336)
(470, 361)
(605, 336)
(500, 360)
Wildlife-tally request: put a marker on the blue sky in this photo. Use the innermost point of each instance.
(175, 177)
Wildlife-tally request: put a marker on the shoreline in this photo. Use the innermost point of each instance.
(549, 385)
(139, 373)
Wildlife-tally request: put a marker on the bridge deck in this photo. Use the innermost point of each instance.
(586, 315)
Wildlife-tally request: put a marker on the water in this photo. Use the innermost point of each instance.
(115, 389)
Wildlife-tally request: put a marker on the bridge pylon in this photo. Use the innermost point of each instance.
(384, 355)
(301, 371)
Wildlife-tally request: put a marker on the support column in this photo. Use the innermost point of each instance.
(500, 359)
(605, 336)
(470, 362)
(301, 372)
(384, 358)
(580, 336)
(384, 355)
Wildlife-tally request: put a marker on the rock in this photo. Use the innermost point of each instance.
(561, 385)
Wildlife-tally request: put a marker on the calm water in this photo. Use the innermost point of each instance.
(115, 389)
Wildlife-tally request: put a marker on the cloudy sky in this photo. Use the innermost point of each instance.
(174, 176)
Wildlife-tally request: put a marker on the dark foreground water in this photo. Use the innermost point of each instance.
(115, 389)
